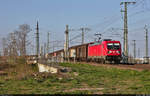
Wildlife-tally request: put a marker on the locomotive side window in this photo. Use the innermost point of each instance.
(113, 46)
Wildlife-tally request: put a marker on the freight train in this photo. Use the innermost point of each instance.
(104, 51)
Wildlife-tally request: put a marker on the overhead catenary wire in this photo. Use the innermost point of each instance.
(105, 29)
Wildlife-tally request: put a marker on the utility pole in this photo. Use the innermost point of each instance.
(37, 42)
(48, 42)
(126, 30)
(139, 56)
(82, 35)
(53, 47)
(134, 50)
(83, 31)
(67, 43)
(139, 52)
(41, 52)
(44, 49)
(146, 47)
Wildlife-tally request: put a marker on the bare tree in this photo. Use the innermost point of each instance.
(15, 43)
(5, 47)
(9, 45)
(22, 42)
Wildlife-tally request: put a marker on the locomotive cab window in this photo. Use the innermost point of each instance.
(113, 46)
(109, 46)
(116, 46)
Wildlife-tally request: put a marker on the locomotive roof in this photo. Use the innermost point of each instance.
(99, 42)
(95, 43)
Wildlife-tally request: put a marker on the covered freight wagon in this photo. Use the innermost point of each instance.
(81, 52)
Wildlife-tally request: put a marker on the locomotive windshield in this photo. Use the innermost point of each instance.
(113, 46)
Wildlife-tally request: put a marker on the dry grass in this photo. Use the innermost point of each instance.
(16, 68)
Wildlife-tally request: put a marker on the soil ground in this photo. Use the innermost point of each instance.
(137, 67)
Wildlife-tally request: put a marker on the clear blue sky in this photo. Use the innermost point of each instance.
(98, 15)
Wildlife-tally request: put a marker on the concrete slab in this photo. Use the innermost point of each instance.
(46, 68)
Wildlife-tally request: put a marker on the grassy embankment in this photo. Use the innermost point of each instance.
(20, 80)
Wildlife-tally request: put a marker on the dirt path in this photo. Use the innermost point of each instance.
(85, 89)
(137, 67)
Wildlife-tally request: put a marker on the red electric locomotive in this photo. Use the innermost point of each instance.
(105, 51)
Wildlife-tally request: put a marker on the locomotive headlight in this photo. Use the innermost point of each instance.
(118, 52)
(109, 52)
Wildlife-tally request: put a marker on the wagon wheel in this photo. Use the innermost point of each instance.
(107, 62)
(117, 62)
(103, 61)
